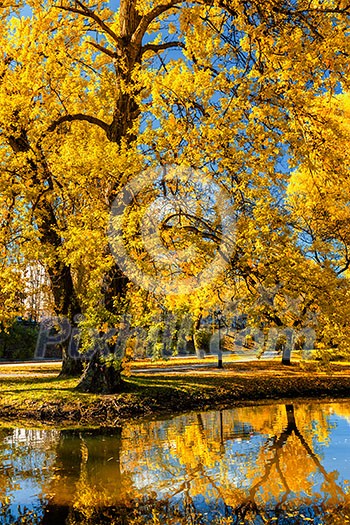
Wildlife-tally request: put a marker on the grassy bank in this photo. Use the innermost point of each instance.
(35, 394)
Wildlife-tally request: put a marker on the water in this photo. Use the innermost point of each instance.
(276, 464)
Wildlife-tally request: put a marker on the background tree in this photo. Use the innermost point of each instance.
(318, 197)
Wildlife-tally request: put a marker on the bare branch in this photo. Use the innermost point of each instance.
(161, 47)
(146, 20)
(209, 232)
(225, 6)
(79, 117)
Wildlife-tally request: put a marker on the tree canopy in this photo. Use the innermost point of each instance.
(232, 116)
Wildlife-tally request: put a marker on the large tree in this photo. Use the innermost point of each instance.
(91, 94)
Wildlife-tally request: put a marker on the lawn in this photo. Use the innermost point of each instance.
(36, 393)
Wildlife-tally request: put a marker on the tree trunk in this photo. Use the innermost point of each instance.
(102, 376)
(196, 326)
(115, 287)
(287, 347)
(62, 287)
(71, 367)
(286, 355)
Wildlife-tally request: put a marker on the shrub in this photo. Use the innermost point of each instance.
(18, 343)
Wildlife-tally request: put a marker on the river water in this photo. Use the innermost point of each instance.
(276, 464)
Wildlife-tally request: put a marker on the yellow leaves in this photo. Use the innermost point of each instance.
(15, 24)
(172, 29)
(181, 84)
(318, 191)
(172, 120)
(227, 101)
(12, 288)
(38, 46)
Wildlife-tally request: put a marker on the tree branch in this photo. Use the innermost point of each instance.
(149, 17)
(85, 11)
(326, 10)
(80, 117)
(104, 50)
(146, 19)
(225, 6)
(161, 47)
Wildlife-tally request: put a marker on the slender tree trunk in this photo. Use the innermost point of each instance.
(286, 355)
(196, 326)
(288, 347)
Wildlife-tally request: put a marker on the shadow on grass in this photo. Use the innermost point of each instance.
(32, 380)
(13, 385)
(143, 384)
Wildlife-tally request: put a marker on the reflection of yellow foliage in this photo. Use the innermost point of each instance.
(199, 445)
(341, 409)
(264, 419)
(246, 457)
(292, 470)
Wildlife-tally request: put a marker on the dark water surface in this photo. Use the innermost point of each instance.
(276, 464)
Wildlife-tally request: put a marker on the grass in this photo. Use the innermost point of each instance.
(186, 360)
(29, 369)
(36, 394)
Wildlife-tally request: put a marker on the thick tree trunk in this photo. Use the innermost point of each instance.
(115, 288)
(67, 305)
(71, 367)
(102, 376)
(65, 299)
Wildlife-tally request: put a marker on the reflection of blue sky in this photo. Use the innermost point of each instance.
(27, 457)
(25, 496)
(336, 455)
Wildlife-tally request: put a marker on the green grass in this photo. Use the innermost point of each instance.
(27, 390)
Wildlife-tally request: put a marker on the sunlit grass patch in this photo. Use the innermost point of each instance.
(30, 368)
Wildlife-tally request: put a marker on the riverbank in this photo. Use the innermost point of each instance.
(35, 395)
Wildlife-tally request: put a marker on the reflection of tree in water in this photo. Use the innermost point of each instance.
(87, 478)
(7, 484)
(247, 465)
(281, 476)
(276, 470)
(6, 470)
